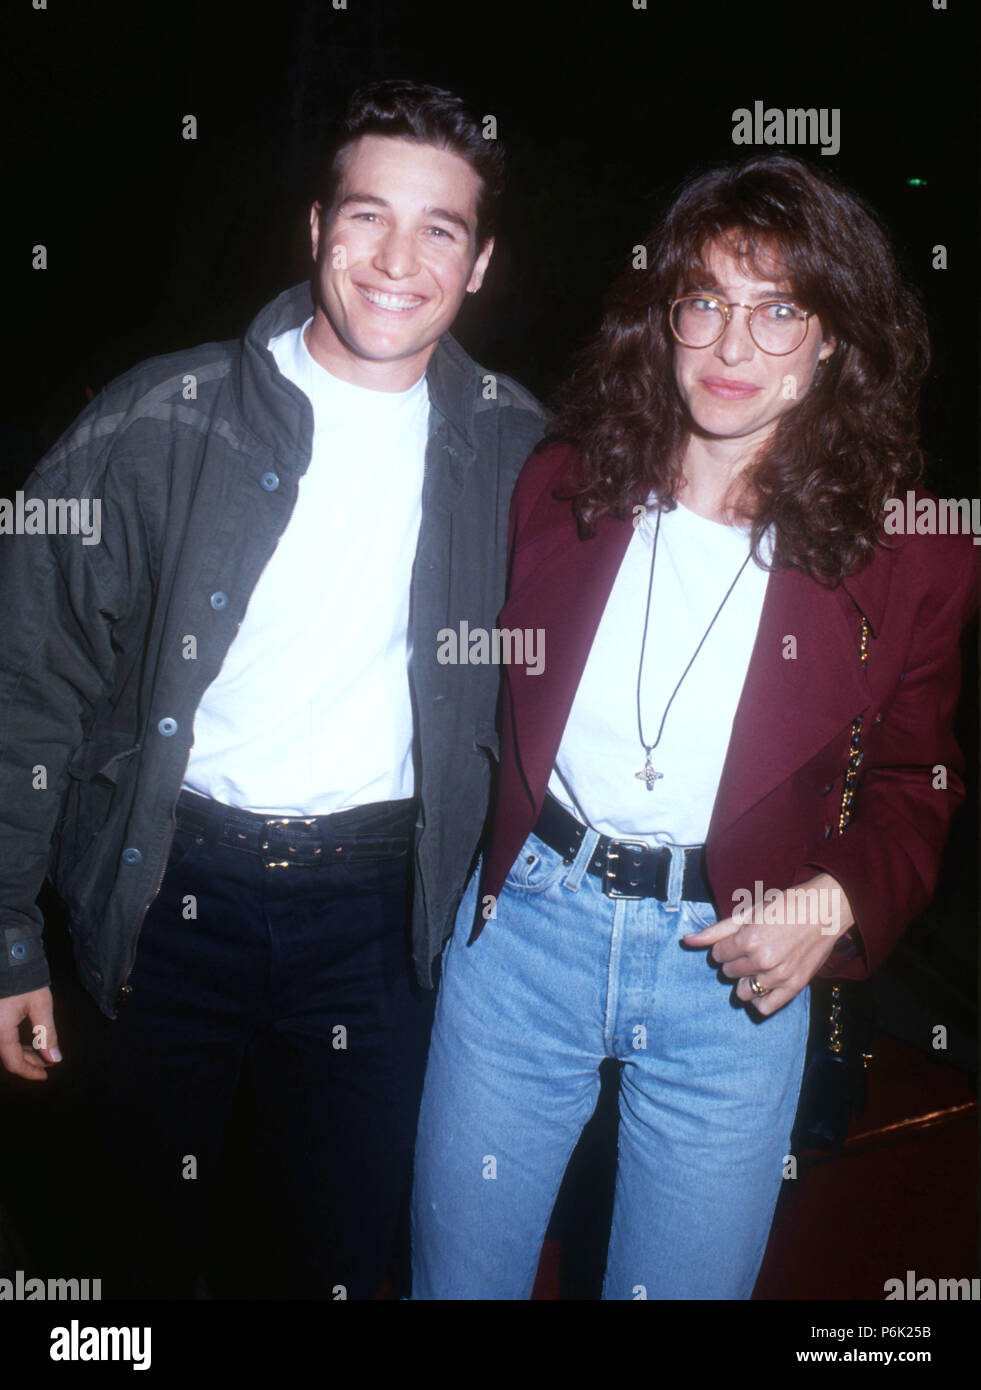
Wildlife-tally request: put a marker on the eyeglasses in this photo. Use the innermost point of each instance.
(775, 326)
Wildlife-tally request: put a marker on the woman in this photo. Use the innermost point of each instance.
(738, 659)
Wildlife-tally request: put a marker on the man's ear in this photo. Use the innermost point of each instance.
(480, 266)
(315, 213)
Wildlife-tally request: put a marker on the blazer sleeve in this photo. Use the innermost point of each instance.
(888, 858)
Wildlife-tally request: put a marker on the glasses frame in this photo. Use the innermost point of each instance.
(727, 309)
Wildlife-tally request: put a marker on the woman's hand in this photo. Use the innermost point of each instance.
(781, 940)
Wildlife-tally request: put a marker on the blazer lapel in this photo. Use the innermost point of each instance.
(564, 594)
(804, 685)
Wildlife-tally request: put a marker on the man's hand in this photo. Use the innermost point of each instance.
(781, 941)
(38, 1008)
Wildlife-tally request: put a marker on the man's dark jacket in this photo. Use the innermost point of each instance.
(106, 649)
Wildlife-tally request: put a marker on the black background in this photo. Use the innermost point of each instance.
(155, 242)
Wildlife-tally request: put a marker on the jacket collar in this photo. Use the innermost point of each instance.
(869, 591)
(452, 375)
(280, 414)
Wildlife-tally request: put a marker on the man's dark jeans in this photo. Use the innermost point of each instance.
(279, 960)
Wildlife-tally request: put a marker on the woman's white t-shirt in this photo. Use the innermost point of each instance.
(600, 753)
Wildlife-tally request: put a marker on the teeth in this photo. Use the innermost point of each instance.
(389, 301)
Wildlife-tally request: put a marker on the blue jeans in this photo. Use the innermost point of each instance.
(562, 977)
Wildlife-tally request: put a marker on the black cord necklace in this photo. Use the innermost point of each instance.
(648, 774)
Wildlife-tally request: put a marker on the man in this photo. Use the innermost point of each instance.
(253, 768)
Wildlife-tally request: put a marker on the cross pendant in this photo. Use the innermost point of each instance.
(648, 775)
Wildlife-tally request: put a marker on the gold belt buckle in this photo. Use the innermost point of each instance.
(285, 821)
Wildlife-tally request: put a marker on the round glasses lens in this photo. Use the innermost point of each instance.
(697, 322)
(778, 328)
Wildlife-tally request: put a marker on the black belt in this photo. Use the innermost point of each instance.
(297, 839)
(628, 868)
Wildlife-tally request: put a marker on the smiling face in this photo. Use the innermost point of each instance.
(396, 258)
(733, 390)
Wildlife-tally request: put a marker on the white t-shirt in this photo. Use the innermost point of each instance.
(311, 711)
(594, 772)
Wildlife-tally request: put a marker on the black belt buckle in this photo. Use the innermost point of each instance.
(617, 845)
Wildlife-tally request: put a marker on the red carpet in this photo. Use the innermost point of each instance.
(903, 1195)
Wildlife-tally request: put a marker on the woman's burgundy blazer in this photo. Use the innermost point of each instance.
(775, 818)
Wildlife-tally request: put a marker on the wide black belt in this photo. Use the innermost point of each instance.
(628, 868)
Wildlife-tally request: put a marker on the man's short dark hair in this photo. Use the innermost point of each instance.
(430, 116)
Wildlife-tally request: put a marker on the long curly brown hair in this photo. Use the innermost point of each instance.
(839, 453)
